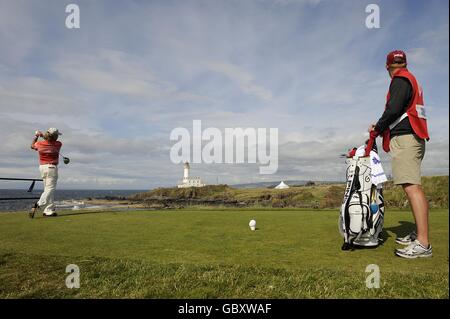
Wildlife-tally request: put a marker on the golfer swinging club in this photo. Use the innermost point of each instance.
(48, 159)
(404, 129)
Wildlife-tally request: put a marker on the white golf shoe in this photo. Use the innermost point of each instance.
(408, 239)
(415, 250)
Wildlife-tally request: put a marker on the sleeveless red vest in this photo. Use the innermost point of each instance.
(415, 110)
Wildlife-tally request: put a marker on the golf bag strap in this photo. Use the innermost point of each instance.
(355, 187)
(397, 121)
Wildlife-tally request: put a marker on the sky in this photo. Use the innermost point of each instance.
(135, 70)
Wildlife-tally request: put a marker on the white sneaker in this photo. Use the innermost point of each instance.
(408, 239)
(50, 214)
(415, 250)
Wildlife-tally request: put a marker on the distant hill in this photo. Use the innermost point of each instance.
(288, 182)
(314, 196)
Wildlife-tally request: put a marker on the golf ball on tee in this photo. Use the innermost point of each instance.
(252, 224)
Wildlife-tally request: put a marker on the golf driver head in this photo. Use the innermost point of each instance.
(66, 160)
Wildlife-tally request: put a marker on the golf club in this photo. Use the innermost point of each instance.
(66, 160)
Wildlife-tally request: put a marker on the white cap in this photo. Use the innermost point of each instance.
(53, 131)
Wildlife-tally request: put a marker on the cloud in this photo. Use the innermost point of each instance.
(31, 94)
(291, 2)
(120, 73)
(16, 22)
(244, 80)
(421, 56)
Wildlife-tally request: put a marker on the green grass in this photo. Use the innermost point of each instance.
(211, 254)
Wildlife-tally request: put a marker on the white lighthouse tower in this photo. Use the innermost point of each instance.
(190, 181)
(186, 171)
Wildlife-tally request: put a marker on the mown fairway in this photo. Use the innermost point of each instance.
(211, 254)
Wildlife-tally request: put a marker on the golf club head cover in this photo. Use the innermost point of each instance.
(372, 136)
(351, 152)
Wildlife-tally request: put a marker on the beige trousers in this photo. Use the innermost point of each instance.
(49, 174)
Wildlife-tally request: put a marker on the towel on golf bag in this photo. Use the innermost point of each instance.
(378, 176)
(362, 210)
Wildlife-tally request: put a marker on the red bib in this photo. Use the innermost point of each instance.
(415, 110)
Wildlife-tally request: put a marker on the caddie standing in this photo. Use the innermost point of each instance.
(403, 126)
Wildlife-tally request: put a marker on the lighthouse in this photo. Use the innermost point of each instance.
(190, 181)
(186, 171)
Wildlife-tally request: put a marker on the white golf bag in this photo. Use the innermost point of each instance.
(362, 211)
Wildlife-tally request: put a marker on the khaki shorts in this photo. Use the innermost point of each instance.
(407, 152)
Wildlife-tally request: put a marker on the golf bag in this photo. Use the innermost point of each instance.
(362, 210)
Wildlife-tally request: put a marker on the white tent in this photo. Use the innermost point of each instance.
(282, 185)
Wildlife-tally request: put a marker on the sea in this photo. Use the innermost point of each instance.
(63, 198)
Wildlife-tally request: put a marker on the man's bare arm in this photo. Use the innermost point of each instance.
(35, 138)
(34, 142)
